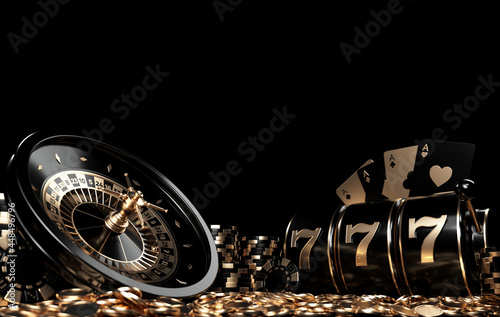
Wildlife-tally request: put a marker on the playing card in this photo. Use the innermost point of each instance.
(372, 179)
(398, 163)
(351, 191)
(439, 166)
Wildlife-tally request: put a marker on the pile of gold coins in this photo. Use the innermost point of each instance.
(125, 301)
(291, 304)
(128, 301)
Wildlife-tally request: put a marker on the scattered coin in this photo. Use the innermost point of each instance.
(428, 310)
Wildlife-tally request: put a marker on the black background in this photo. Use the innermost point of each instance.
(227, 76)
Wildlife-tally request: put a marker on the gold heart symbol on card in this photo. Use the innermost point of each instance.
(440, 175)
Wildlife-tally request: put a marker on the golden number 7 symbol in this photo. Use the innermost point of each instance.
(427, 252)
(305, 253)
(362, 249)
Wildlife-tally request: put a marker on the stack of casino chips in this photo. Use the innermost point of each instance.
(490, 270)
(240, 259)
(255, 252)
(226, 242)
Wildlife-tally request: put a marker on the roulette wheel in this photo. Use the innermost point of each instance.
(101, 218)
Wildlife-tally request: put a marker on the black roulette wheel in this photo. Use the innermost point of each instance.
(104, 218)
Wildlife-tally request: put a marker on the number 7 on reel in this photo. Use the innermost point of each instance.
(362, 248)
(427, 251)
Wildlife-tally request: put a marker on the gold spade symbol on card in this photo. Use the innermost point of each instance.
(440, 175)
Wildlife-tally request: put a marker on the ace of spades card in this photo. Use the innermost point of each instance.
(364, 185)
(398, 163)
(439, 166)
(351, 191)
(372, 179)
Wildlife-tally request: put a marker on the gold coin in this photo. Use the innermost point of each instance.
(131, 299)
(30, 307)
(362, 303)
(238, 304)
(49, 306)
(164, 311)
(57, 314)
(14, 312)
(428, 310)
(75, 293)
(129, 289)
(404, 311)
(252, 310)
(173, 302)
(118, 312)
(453, 303)
(109, 302)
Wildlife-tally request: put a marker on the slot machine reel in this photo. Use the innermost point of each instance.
(421, 245)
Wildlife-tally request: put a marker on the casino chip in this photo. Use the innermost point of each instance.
(277, 275)
(254, 252)
(489, 264)
(226, 238)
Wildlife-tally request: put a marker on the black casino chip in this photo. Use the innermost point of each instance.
(277, 275)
